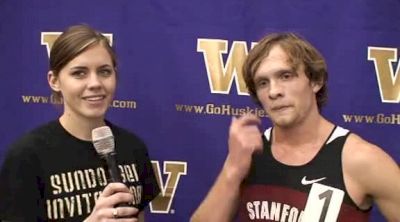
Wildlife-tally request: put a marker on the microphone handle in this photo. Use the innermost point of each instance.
(115, 176)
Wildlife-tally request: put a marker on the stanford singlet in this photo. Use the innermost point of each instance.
(274, 191)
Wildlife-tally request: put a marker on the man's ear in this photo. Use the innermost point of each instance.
(316, 86)
(53, 81)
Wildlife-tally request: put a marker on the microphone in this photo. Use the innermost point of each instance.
(103, 141)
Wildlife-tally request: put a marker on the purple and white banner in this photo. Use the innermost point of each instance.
(180, 78)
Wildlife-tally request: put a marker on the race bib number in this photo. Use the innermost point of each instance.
(323, 204)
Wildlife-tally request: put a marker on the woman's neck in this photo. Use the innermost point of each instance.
(80, 128)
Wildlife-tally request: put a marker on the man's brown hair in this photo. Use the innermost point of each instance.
(299, 51)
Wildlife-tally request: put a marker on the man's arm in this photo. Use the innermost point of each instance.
(377, 174)
(221, 202)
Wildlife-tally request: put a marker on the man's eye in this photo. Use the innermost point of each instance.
(261, 83)
(286, 75)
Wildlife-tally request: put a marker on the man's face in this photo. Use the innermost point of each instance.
(287, 95)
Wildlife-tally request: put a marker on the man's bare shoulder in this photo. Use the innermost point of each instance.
(374, 174)
(362, 151)
(366, 162)
(359, 153)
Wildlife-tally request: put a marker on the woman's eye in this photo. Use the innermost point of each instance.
(105, 72)
(78, 73)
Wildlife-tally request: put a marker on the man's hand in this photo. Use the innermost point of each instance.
(244, 140)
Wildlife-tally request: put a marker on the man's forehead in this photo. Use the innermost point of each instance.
(271, 67)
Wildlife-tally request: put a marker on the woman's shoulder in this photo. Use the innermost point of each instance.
(36, 137)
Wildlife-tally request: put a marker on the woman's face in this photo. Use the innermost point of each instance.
(87, 84)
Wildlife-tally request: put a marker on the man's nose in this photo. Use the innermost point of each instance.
(275, 90)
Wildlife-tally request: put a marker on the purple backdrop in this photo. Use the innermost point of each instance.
(167, 95)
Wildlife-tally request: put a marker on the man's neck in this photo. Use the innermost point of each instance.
(311, 130)
(297, 145)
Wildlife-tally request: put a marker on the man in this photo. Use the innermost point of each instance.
(304, 168)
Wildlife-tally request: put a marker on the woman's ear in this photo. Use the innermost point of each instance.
(53, 81)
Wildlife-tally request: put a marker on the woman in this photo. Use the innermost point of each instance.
(54, 172)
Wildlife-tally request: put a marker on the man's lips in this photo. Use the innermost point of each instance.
(279, 108)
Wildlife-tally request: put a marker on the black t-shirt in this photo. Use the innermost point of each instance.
(49, 174)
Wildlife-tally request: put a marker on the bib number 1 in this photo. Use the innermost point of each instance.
(323, 204)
